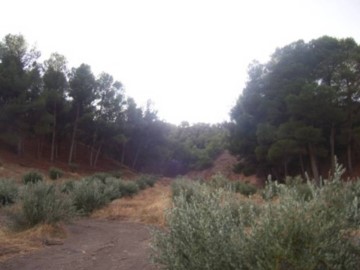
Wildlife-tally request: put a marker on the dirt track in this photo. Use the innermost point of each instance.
(92, 244)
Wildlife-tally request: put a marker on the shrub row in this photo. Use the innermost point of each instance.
(35, 176)
(50, 203)
(217, 181)
(211, 229)
(93, 193)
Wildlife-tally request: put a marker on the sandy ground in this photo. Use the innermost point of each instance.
(92, 244)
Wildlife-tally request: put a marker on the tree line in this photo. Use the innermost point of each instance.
(300, 110)
(52, 104)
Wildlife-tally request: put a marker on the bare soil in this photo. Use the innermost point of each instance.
(91, 244)
(224, 165)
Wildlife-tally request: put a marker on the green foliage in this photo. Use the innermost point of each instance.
(238, 168)
(244, 188)
(112, 188)
(146, 180)
(68, 186)
(8, 191)
(202, 233)
(196, 146)
(89, 194)
(101, 176)
(249, 169)
(184, 187)
(128, 188)
(41, 203)
(294, 103)
(32, 177)
(219, 181)
(213, 230)
(55, 173)
(116, 174)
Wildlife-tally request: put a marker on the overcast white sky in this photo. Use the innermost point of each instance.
(190, 57)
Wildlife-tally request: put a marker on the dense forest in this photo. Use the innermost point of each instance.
(300, 110)
(51, 104)
(297, 113)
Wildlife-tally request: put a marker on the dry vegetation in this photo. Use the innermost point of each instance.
(147, 207)
(16, 243)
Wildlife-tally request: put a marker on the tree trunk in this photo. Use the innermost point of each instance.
(53, 139)
(302, 166)
(97, 154)
(314, 167)
(74, 135)
(332, 148)
(285, 168)
(123, 153)
(92, 149)
(136, 156)
(91, 155)
(349, 158)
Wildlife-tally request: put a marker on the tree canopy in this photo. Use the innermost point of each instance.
(300, 109)
(60, 108)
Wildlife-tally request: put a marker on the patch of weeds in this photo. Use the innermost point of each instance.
(32, 177)
(55, 173)
(8, 191)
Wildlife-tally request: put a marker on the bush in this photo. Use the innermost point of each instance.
(88, 195)
(112, 188)
(101, 176)
(297, 234)
(219, 181)
(55, 173)
(272, 189)
(146, 180)
(212, 230)
(238, 167)
(67, 187)
(32, 177)
(8, 191)
(184, 187)
(202, 233)
(41, 203)
(128, 188)
(249, 170)
(244, 188)
(116, 174)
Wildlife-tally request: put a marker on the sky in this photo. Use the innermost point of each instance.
(189, 57)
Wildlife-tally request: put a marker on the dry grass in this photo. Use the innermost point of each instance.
(146, 207)
(12, 243)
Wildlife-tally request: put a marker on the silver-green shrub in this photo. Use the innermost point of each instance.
(32, 177)
(41, 203)
(8, 191)
(128, 188)
(211, 230)
(184, 187)
(146, 180)
(88, 195)
(202, 233)
(55, 173)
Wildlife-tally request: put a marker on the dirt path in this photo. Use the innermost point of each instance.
(92, 244)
